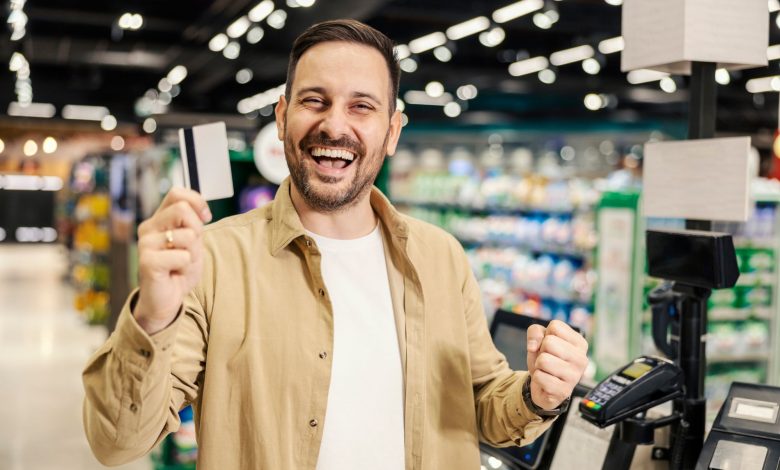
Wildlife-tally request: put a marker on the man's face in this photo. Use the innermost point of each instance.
(337, 127)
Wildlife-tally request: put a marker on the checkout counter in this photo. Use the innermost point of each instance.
(614, 425)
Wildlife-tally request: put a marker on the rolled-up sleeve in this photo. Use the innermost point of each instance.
(502, 415)
(136, 383)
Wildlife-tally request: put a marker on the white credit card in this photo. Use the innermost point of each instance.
(204, 155)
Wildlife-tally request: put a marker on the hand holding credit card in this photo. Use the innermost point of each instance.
(204, 154)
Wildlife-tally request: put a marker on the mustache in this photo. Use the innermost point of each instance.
(322, 140)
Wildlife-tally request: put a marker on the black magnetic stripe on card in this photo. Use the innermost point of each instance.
(192, 161)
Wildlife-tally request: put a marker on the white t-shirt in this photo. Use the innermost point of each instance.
(364, 420)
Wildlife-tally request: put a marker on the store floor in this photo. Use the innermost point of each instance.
(44, 345)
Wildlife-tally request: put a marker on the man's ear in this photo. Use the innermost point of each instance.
(394, 133)
(280, 111)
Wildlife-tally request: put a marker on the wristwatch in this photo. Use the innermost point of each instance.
(541, 411)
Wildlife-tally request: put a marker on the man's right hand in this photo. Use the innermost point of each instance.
(170, 253)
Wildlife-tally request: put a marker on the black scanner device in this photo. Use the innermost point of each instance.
(644, 383)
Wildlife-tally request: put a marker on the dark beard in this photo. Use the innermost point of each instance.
(328, 202)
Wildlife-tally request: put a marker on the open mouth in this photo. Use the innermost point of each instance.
(332, 158)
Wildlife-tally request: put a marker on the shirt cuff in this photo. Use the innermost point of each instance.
(133, 342)
(528, 424)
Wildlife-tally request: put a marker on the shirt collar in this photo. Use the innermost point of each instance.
(286, 226)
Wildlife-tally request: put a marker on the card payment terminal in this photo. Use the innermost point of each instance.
(644, 383)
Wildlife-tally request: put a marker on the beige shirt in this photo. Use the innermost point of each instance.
(251, 351)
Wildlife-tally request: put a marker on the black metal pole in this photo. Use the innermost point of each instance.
(693, 318)
(701, 115)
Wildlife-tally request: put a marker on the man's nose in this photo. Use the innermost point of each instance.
(335, 123)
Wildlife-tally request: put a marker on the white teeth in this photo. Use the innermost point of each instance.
(333, 153)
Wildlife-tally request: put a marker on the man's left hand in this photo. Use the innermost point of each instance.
(557, 358)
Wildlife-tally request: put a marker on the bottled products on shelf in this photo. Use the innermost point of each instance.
(90, 240)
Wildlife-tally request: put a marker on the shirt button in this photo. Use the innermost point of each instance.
(322, 292)
(313, 423)
(323, 354)
(133, 407)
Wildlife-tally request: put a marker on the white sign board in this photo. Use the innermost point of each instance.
(704, 179)
(269, 155)
(667, 35)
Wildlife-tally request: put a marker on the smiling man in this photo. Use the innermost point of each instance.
(325, 330)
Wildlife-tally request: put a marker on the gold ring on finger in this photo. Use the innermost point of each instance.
(169, 239)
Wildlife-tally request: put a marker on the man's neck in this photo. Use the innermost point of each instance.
(354, 222)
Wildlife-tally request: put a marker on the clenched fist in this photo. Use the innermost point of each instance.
(170, 257)
(557, 358)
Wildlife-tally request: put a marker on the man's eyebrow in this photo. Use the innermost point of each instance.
(365, 94)
(312, 89)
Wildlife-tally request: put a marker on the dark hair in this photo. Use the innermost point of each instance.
(350, 31)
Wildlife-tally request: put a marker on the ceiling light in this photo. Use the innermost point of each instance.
(553, 15)
(418, 97)
(49, 145)
(591, 66)
(149, 125)
(399, 105)
(774, 5)
(442, 53)
(614, 3)
(452, 109)
(232, 50)
(165, 98)
(547, 76)
(136, 21)
(467, 28)
(38, 110)
(84, 113)
(218, 42)
(427, 42)
(2, 146)
(722, 76)
(542, 21)
(524, 67)
(611, 45)
(408, 65)
(773, 52)
(493, 37)
(466, 92)
(125, 21)
(255, 35)
(306, 3)
(593, 102)
(260, 11)
(575, 54)
(402, 51)
(244, 76)
(763, 84)
(17, 62)
(108, 123)
(635, 77)
(277, 19)
(404, 120)
(516, 10)
(30, 148)
(434, 89)
(239, 27)
(117, 143)
(176, 75)
(261, 100)
(164, 84)
(668, 85)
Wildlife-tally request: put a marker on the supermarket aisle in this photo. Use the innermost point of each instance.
(43, 348)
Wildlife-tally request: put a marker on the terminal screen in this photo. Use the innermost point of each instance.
(636, 370)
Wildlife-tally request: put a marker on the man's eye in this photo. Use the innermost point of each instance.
(364, 106)
(312, 101)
